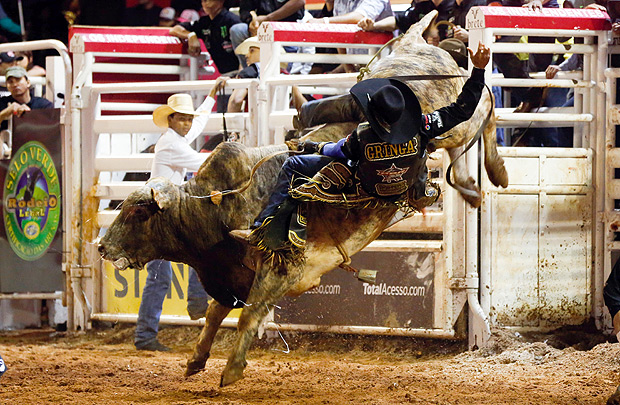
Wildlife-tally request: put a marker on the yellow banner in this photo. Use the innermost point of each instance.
(123, 290)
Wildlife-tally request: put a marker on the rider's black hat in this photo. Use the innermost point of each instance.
(391, 108)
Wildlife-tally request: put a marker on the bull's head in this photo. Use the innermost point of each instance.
(136, 236)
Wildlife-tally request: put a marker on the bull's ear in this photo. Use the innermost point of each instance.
(161, 198)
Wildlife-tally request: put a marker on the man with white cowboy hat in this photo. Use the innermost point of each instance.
(386, 154)
(250, 49)
(173, 157)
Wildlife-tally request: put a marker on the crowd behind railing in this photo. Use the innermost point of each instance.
(226, 29)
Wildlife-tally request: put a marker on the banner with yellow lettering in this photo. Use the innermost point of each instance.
(123, 290)
(31, 204)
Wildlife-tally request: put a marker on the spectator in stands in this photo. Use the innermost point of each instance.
(352, 12)
(254, 12)
(403, 20)
(188, 16)
(7, 59)
(25, 60)
(564, 137)
(512, 67)
(317, 68)
(215, 30)
(459, 15)
(173, 157)
(167, 17)
(20, 99)
(250, 50)
(145, 14)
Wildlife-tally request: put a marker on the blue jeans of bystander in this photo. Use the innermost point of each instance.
(159, 276)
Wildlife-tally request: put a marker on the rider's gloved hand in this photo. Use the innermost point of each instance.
(309, 147)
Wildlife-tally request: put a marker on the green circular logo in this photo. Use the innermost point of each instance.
(31, 201)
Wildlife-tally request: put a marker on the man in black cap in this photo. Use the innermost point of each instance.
(387, 153)
(20, 99)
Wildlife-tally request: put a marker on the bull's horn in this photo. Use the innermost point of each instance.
(162, 198)
(415, 33)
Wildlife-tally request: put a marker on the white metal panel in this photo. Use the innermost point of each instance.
(522, 170)
(514, 273)
(130, 163)
(565, 259)
(566, 171)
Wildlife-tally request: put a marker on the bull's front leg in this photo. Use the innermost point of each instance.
(464, 184)
(269, 286)
(215, 315)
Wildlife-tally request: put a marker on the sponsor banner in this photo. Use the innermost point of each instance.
(30, 240)
(547, 18)
(123, 290)
(403, 296)
(31, 208)
(282, 31)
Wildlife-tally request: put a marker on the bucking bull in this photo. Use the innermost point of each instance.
(183, 224)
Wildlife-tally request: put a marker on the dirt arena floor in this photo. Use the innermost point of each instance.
(102, 367)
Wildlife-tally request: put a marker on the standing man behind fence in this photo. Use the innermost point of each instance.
(173, 158)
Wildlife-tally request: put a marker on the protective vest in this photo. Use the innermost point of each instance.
(387, 170)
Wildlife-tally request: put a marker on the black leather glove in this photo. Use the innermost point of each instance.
(309, 147)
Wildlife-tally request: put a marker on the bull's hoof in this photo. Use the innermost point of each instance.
(497, 173)
(231, 375)
(470, 192)
(194, 367)
(614, 399)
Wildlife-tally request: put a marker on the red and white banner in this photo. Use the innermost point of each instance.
(319, 33)
(123, 39)
(547, 18)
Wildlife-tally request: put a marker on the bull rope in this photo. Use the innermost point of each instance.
(216, 196)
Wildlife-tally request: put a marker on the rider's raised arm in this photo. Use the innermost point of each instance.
(446, 118)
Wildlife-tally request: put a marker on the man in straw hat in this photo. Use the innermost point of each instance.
(387, 153)
(173, 157)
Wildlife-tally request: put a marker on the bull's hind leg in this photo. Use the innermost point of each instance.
(269, 286)
(493, 162)
(465, 184)
(215, 315)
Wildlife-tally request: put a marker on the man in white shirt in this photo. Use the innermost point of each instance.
(173, 153)
(173, 158)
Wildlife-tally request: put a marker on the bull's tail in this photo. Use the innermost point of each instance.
(493, 162)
